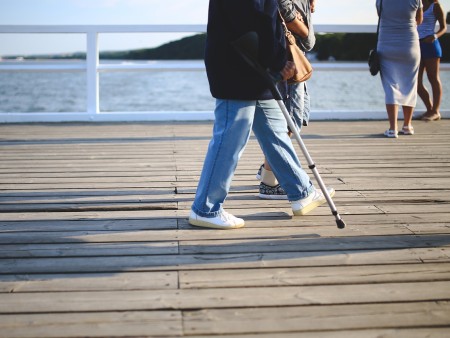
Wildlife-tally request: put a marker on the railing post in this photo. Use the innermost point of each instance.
(92, 61)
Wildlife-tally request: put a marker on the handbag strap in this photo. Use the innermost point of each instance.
(283, 23)
(289, 36)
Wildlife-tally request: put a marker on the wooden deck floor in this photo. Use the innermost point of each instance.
(95, 241)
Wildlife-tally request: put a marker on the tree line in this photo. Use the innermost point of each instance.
(336, 46)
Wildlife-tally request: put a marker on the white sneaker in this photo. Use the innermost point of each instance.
(391, 133)
(313, 200)
(223, 221)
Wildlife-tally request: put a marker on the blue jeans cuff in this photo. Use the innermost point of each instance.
(206, 214)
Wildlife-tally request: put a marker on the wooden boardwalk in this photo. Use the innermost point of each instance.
(95, 241)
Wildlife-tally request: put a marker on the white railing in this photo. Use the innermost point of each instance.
(92, 67)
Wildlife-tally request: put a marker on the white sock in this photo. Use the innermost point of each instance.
(268, 178)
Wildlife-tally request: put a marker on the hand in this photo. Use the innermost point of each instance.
(288, 71)
(429, 39)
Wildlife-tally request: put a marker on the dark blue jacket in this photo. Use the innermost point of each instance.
(230, 77)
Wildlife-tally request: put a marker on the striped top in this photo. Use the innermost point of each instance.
(428, 25)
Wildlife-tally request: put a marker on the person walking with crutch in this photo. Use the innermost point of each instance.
(243, 103)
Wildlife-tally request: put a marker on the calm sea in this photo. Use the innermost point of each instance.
(176, 91)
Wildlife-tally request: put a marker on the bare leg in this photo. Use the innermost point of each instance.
(422, 90)
(432, 68)
(267, 175)
(407, 114)
(267, 165)
(392, 111)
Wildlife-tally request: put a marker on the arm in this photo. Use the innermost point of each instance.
(294, 20)
(439, 13)
(419, 16)
(298, 26)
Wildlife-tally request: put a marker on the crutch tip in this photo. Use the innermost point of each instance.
(340, 223)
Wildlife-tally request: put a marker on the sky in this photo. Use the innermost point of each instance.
(135, 12)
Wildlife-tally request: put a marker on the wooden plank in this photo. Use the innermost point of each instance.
(55, 198)
(88, 249)
(139, 300)
(216, 261)
(88, 215)
(314, 244)
(314, 275)
(61, 185)
(89, 282)
(110, 224)
(359, 222)
(21, 233)
(315, 318)
(83, 207)
(429, 228)
(106, 324)
(83, 180)
(435, 332)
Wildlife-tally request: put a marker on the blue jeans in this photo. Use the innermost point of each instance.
(298, 104)
(234, 121)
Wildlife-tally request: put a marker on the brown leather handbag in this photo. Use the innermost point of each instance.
(296, 55)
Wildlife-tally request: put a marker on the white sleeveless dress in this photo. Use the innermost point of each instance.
(399, 50)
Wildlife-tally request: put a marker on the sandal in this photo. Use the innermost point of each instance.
(407, 130)
(391, 133)
(432, 117)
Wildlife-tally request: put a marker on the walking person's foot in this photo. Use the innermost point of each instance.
(224, 220)
(312, 201)
(432, 116)
(267, 192)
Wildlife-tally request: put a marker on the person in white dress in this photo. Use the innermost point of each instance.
(399, 51)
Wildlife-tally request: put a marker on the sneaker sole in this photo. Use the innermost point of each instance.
(273, 197)
(312, 206)
(204, 224)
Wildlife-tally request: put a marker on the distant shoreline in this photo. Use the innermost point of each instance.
(341, 47)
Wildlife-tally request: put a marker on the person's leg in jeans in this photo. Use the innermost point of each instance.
(306, 105)
(298, 105)
(270, 129)
(232, 127)
(269, 126)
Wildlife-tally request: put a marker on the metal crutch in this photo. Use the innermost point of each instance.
(247, 47)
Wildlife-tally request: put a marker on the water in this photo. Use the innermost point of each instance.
(176, 91)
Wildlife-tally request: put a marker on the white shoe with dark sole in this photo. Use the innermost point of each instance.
(312, 201)
(222, 221)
